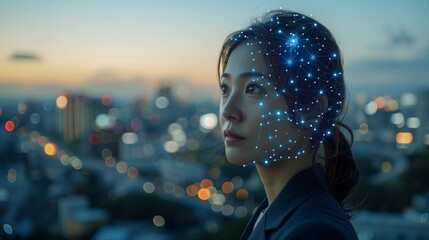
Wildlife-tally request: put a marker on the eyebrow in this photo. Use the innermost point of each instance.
(246, 75)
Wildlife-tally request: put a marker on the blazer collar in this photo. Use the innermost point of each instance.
(302, 186)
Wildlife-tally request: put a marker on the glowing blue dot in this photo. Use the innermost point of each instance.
(291, 81)
(334, 55)
(289, 61)
(335, 74)
(321, 91)
(266, 162)
(309, 75)
(280, 31)
(253, 69)
(302, 122)
(260, 104)
(329, 132)
(278, 113)
(312, 57)
(315, 24)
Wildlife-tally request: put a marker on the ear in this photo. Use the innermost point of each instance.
(318, 108)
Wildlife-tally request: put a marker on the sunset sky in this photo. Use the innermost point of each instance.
(74, 44)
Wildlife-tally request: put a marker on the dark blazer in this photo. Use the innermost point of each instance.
(304, 209)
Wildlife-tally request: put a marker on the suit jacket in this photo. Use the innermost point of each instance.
(304, 209)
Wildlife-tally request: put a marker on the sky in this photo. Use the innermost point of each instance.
(129, 46)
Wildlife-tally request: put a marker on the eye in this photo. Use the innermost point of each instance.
(223, 88)
(254, 89)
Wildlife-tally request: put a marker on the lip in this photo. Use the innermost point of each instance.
(232, 138)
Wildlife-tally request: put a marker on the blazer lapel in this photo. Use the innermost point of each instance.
(304, 185)
(249, 231)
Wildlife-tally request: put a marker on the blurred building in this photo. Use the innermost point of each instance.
(377, 226)
(77, 218)
(74, 114)
(422, 133)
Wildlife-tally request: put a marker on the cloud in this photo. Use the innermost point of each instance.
(387, 74)
(400, 38)
(24, 56)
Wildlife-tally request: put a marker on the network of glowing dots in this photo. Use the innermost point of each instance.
(305, 66)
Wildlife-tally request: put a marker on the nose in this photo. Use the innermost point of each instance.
(230, 110)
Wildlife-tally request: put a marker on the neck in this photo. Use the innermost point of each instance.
(276, 175)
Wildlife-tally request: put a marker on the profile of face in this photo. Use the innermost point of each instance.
(253, 116)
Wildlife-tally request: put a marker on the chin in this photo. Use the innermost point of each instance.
(238, 159)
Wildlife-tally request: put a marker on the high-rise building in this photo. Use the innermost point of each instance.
(74, 116)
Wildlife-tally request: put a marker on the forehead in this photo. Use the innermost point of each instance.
(246, 57)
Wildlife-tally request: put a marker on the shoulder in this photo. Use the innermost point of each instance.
(319, 229)
(320, 217)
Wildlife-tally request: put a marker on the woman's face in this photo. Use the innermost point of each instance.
(253, 116)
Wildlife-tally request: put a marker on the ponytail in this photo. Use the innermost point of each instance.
(341, 171)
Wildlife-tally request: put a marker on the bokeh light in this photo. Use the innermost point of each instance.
(106, 99)
(404, 138)
(133, 172)
(242, 194)
(158, 221)
(386, 167)
(208, 121)
(206, 183)
(204, 194)
(50, 149)
(148, 187)
(7, 229)
(162, 102)
(110, 161)
(61, 101)
(9, 126)
(129, 138)
(11, 175)
(121, 167)
(227, 187)
(192, 190)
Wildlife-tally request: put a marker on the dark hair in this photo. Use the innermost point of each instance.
(305, 63)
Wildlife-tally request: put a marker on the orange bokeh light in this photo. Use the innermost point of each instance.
(9, 125)
(381, 102)
(62, 101)
(133, 172)
(204, 194)
(227, 187)
(242, 194)
(106, 99)
(50, 149)
(110, 161)
(404, 137)
(206, 183)
(192, 190)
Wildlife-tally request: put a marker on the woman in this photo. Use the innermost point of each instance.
(282, 95)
